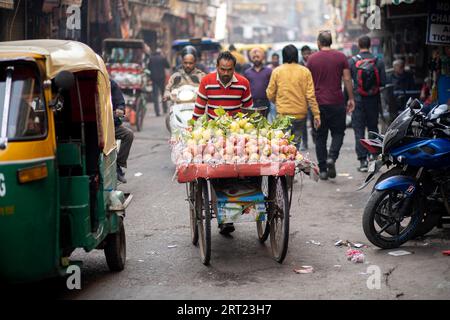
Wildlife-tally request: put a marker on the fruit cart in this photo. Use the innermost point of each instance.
(256, 192)
(239, 168)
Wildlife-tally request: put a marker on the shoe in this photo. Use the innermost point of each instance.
(363, 166)
(331, 168)
(226, 228)
(323, 175)
(121, 175)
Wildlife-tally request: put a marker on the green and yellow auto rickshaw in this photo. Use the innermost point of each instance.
(57, 160)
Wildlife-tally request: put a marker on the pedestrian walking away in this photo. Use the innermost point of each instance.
(157, 66)
(259, 76)
(125, 135)
(368, 74)
(329, 68)
(291, 87)
(227, 89)
(306, 52)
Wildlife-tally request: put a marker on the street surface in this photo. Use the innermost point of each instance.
(163, 264)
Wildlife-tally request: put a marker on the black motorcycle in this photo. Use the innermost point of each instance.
(392, 151)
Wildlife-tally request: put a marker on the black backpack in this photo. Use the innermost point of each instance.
(367, 76)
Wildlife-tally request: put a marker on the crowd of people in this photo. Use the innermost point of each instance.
(320, 88)
(308, 88)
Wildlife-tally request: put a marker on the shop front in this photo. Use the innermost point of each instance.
(418, 33)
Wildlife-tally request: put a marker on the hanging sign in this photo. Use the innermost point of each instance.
(438, 31)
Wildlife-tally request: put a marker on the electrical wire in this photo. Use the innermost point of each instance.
(13, 19)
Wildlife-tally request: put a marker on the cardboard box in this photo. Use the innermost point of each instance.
(243, 202)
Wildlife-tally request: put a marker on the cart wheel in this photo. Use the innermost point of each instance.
(204, 220)
(192, 216)
(115, 248)
(262, 227)
(279, 218)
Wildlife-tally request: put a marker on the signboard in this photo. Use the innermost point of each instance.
(250, 7)
(7, 4)
(438, 31)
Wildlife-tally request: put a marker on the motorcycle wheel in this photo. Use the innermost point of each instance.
(386, 204)
(429, 219)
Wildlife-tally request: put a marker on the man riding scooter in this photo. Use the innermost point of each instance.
(189, 74)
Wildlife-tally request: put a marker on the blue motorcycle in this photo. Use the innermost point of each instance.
(419, 144)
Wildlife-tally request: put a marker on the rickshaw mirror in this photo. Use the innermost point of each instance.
(64, 80)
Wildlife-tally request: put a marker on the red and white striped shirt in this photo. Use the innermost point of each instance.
(213, 94)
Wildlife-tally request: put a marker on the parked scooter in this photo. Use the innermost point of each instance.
(183, 99)
(412, 197)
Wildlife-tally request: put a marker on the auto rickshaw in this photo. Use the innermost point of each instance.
(126, 64)
(57, 160)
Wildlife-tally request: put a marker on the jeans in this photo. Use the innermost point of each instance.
(309, 117)
(297, 129)
(272, 112)
(158, 92)
(365, 115)
(126, 137)
(332, 118)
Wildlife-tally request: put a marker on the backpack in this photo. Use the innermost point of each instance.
(368, 76)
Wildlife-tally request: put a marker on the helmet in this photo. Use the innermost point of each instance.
(189, 50)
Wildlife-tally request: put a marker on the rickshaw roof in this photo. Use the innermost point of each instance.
(124, 43)
(61, 55)
(73, 56)
(203, 43)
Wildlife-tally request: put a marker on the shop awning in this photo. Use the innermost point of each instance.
(7, 4)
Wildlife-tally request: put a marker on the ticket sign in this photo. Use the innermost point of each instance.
(438, 31)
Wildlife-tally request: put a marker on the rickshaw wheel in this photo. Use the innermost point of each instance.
(140, 114)
(192, 195)
(204, 221)
(279, 218)
(263, 227)
(115, 248)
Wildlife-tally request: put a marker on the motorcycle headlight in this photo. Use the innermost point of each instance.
(186, 95)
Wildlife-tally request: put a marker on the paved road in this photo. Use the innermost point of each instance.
(241, 268)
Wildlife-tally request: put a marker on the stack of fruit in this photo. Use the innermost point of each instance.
(237, 139)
